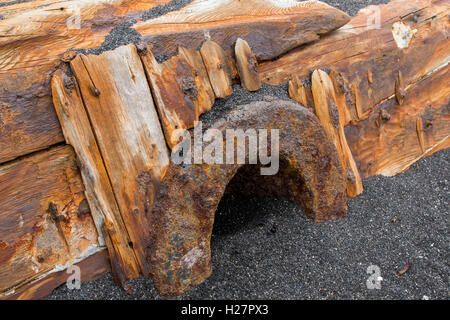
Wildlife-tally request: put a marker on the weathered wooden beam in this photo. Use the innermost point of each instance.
(270, 27)
(310, 173)
(367, 59)
(126, 125)
(218, 67)
(395, 136)
(181, 90)
(330, 117)
(246, 64)
(45, 220)
(104, 209)
(34, 38)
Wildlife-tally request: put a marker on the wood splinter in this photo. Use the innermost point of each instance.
(246, 64)
(329, 115)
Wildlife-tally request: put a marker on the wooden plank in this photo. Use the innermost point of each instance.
(91, 268)
(329, 116)
(35, 35)
(205, 92)
(246, 64)
(218, 68)
(270, 27)
(45, 221)
(180, 91)
(120, 106)
(390, 140)
(367, 58)
(78, 132)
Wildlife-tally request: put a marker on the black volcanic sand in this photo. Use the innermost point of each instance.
(265, 248)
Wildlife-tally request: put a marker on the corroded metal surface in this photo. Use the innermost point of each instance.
(183, 214)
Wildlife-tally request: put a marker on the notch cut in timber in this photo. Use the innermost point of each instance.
(330, 117)
(126, 127)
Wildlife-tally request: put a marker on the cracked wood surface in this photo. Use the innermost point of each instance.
(395, 136)
(104, 209)
(246, 65)
(367, 59)
(91, 268)
(218, 68)
(45, 220)
(181, 90)
(126, 125)
(310, 174)
(330, 117)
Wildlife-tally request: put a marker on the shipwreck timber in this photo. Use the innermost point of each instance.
(86, 139)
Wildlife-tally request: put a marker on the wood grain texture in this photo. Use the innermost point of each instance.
(329, 116)
(300, 92)
(246, 64)
(395, 136)
(91, 268)
(270, 27)
(218, 68)
(367, 58)
(45, 221)
(34, 37)
(126, 125)
(104, 209)
(181, 90)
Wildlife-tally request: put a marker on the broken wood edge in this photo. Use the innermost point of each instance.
(91, 268)
(218, 68)
(180, 88)
(103, 80)
(78, 133)
(330, 117)
(246, 65)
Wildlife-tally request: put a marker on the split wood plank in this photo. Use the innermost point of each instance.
(181, 90)
(329, 116)
(218, 68)
(246, 64)
(78, 133)
(270, 27)
(45, 220)
(126, 125)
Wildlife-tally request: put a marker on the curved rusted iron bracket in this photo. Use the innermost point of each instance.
(183, 214)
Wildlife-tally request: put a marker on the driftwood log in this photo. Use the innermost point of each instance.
(373, 99)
